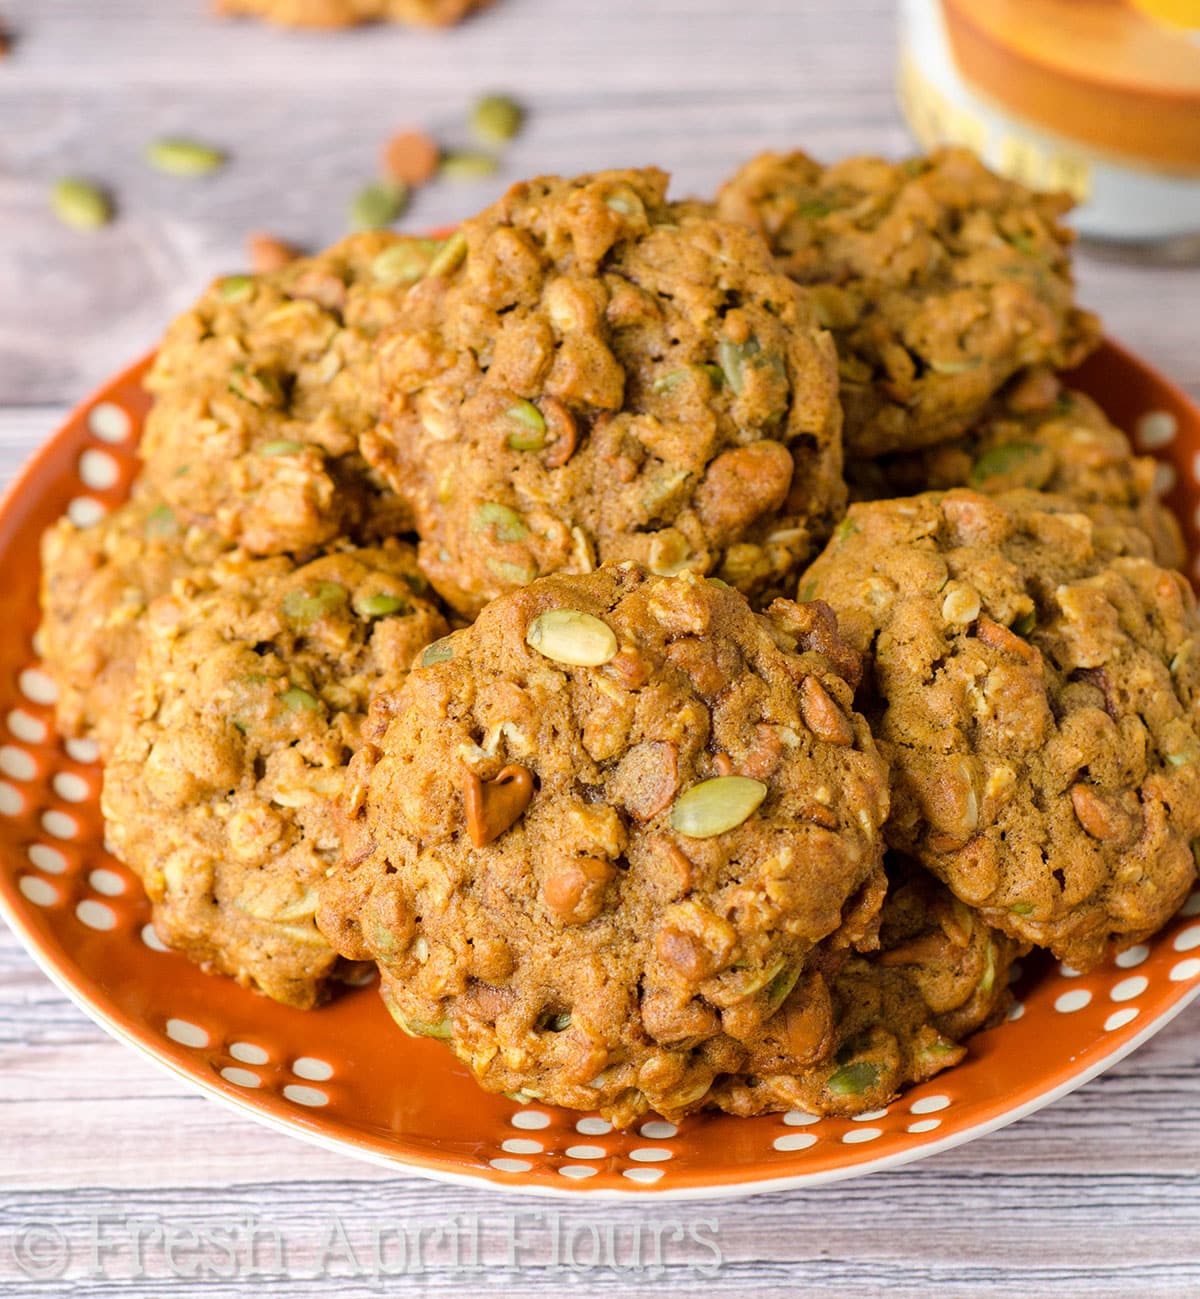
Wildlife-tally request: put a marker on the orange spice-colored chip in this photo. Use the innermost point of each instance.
(268, 253)
(411, 156)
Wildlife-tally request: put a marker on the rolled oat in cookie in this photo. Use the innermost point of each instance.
(1041, 435)
(247, 703)
(1033, 677)
(590, 373)
(263, 390)
(939, 280)
(609, 841)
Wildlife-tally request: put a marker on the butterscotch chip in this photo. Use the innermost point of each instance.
(1046, 751)
(268, 253)
(589, 374)
(263, 390)
(246, 705)
(939, 280)
(1041, 435)
(411, 157)
(650, 951)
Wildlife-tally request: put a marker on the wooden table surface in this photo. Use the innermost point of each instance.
(1097, 1195)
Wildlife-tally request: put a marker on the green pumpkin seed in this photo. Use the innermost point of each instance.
(989, 969)
(80, 205)
(1024, 623)
(955, 367)
(670, 381)
(734, 357)
(161, 523)
(517, 574)
(451, 254)
(307, 606)
(181, 157)
(281, 448)
(258, 387)
(403, 263)
(297, 700)
(853, 1079)
(380, 606)
(568, 636)
(467, 166)
(377, 205)
(714, 806)
(628, 205)
(813, 208)
(419, 1027)
(845, 530)
(556, 1023)
(508, 523)
(531, 436)
(496, 119)
(235, 288)
(808, 590)
(1185, 758)
(1001, 460)
(714, 373)
(780, 987)
(441, 651)
(1022, 908)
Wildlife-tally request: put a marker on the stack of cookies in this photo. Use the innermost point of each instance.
(691, 649)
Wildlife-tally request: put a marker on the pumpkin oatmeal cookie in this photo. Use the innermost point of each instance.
(900, 1014)
(1033, 677)
(248, 699)
(591, 374)
(1044, 436)
(96, 584)
(262, 391)
(939, 280)
(346, 13)
(605, 842)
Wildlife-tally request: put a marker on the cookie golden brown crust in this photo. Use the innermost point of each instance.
(262, 391)
(96, 585)
(247, 703)
(939, 280)
(598, 375)
(900, 1014)
(1033, 678)
(346, 13)
(606, 885)
(1040, 435)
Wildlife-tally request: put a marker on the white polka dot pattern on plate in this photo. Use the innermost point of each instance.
(17, 763)
(868, 1116)
(241, 1077)
(1119, 1018)
(12, 801)
(929, 1104)
(1129, 988)
(98, 470)
(522, 1146)
(47, 859)
(313, 1097)
(650, 1154)
(1165, 478)
(312, 1069)
(593, 1127)
(24, 726)
(82, 749)
(1187, 939)
(1072, 1001)
(39, 891)
(1015, 1011)
(577, 1171)
(85, 511)
(1192, 906)
(795, 1141)
(186, 1033)
(923, 1125)
(644, 1175)
(1132, 956)
(107, 882)
(586, 1152)
(1157, 428)
(511, 1165)
(107, 421)
(37, 687)
(657, 1130)
(70, 787)
(531, 1120)
(95, 914)
(59, 824)
(152, 940)
(1185, 970)
(248, 1053)
(798, 1119)
(858, 1135)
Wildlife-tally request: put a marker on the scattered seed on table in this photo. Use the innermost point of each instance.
(495, 119)
(80, 204)
(177, 156)
(467, 166)
(379, 204)
(411, 157)
(268, 253)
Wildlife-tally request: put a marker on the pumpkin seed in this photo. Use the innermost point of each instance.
(380, 605)
(297, 700)
(403, 263)
(258, 387)
(780, 987)
(496, 119)
(517, 574)
(177, 156)
(714, 806)
(161, 523)
(1022, 908)
(307, 606)
(508, 523)
(734, 357)
(531, 436)
(419, 1027)
(281, 448)
(851, 1079)
(670, 381)
(377, 205)
(80, 205)
(568, 636)
(449, 256)
(441, 651)
(1001, 460)
(467, 166)
(235, 288)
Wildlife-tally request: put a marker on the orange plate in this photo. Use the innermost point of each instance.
(346, 1078)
